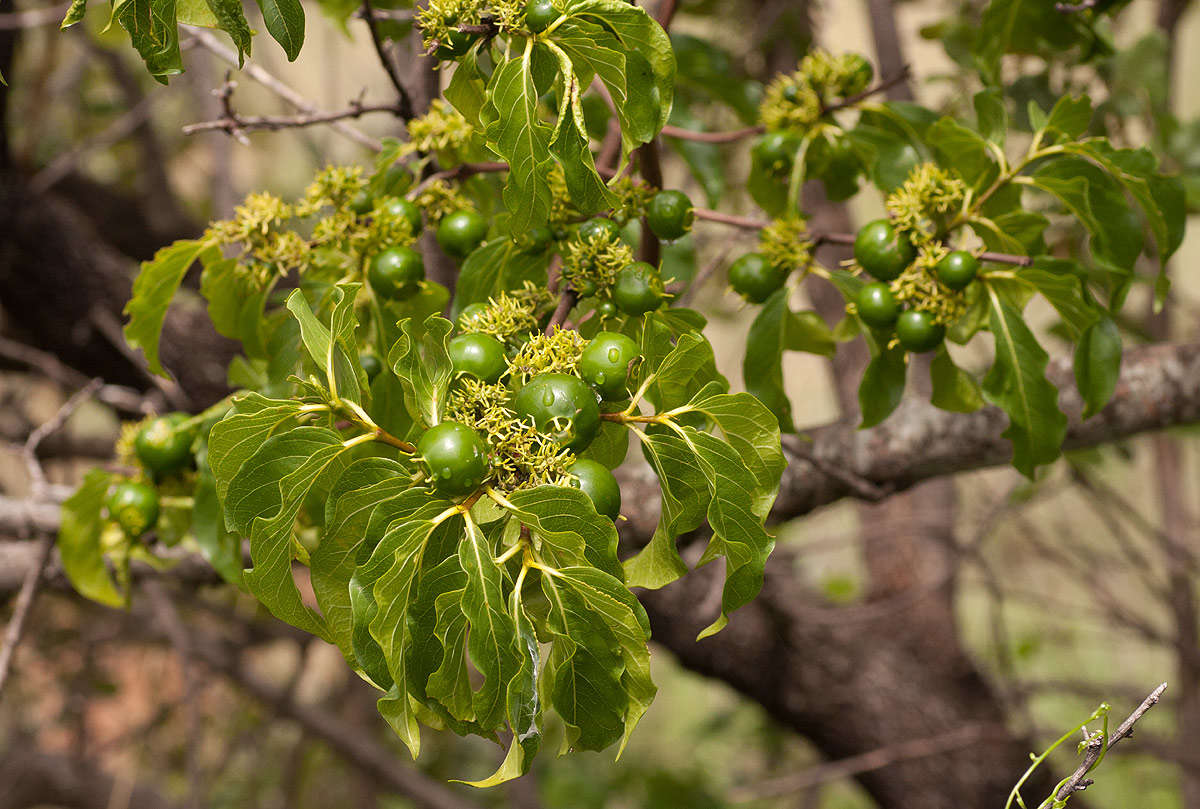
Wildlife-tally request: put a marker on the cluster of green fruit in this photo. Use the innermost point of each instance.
(638, 287)
(453, 43)
(564, 407)
(163, 447)
(884, 253)
(396, 273)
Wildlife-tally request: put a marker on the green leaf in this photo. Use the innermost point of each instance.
(1070, 117)
(965, 151)
(285, 22)
(683, 371)
(79, 541)
(492, 643)
(74, 14)
(738, 534)
(422, 362)
(1098, 364)
(516, 132)
(1099, 204)
(599, 665)
(566, 524)
(495, 266)
(1161, 199)
(252, 419)
(153, 28)
(644, 91)
(570, 144)
(359, 507)
(153, 290)
(953, 388)
(235, 302)
(882, 386)
(219, 547)
(753, 434)
(1060, 282)
(466, 90)
(231, 19)
(992, 115)
(333, 349)
(684, 496)
(263, 501)
(1017, 383)
(776, 329)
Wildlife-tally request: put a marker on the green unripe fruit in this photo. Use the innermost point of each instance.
(775, 151)
(877, 305)
(539, 14)
(469, 311)
(561, 406)
(455, 457)
(594, 480)
(401, 208)
(163, 446)
(455, 44)
(957, 270)
(918, 332)
(858, 75)
(480, 355)
(397, 180)
(670, 214)
(396, 274)
(584, 287)
(362, 203)
(593, 228)
(606, 310)
(755, 278)
(604, 364)
(538, 239)
(638, 289)
(883, 251)
(371, 364)
(133, 506)
(461, 232)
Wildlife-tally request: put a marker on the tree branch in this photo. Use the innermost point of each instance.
(209, 42)
(249, 123)
(405, 108)
(1095, 748)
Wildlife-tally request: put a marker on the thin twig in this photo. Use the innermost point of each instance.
(405, 108)
(1076, 782)
(705, 273)
(277, 122)
(819, 238)
(209, 42)
(40, 488)
(859, 486)
(108, 325)
(740, 134)
(856, 765)
(459, 172)
(122, 398)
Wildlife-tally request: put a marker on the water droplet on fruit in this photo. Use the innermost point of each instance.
(614, 354)
(446, 473)
(548, 398)
(600, 377)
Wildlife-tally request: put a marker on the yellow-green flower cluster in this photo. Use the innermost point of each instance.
(562, 209)
(253, 221)
(442, 130)
(632, 199)
(520, 456)
(442, 17)
(333, 187)
(797, 100)
(511, 315)
(439, 199)
(557, 352)
(785, 244)
(918, 287)
(922, 202)
(595, 262)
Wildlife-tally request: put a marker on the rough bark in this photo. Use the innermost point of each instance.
(59, 279)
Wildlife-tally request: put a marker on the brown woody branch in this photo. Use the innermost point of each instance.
(232, 122)
(1098, 745)
(819, 238)
(404, 109)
